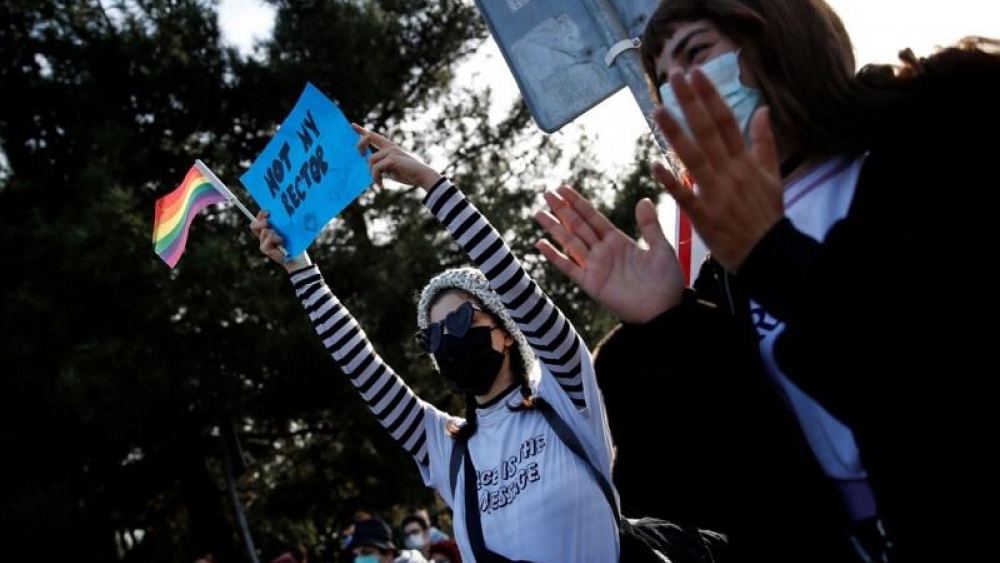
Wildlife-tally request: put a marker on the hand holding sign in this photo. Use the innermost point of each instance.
(391, 161)
(271, 244)
(309, 171)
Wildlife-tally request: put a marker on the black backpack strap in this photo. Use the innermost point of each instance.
(646, 539)
(473, 524)
(566, 434)
(457, 452)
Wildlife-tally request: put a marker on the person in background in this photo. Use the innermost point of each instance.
(436, 534)
(297, 554)
(372, 542)
(808, 183)
(445, 551)
(347, 532)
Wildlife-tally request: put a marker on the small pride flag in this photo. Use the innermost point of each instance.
(176, 210)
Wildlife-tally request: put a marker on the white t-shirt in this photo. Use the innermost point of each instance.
(813, 203)
(532, 488)
(539, 501)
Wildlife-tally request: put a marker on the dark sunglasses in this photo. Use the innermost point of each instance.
(458, 323)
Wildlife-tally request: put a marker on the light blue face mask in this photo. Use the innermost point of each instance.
(366, 559)
(723, 72)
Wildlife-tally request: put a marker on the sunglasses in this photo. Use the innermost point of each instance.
(457, 322)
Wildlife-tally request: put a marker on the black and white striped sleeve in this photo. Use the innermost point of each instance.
(394, 404)
(551, 335)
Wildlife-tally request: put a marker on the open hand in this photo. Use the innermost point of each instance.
(635, 282)
(737, 196)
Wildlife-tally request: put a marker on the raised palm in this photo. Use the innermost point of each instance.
(634, 281)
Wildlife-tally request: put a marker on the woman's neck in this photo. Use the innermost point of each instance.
(503, 382)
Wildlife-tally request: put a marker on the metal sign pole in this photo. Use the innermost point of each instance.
(625, 59)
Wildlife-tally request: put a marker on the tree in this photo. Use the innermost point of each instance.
(107, 386)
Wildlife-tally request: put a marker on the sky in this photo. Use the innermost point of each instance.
(878, 28)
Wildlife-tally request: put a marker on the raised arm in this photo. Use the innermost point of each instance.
(394, 404)
(550, 334)
(548, 331)
(635, 282)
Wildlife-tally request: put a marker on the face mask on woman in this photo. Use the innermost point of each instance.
(370, 558)
(724, 73)
(469, 361)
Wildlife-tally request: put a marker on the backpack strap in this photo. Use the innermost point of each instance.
(457, 452)
(569, 438)
(647, 535)
(473, 524)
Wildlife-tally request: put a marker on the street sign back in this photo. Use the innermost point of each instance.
(555, 50)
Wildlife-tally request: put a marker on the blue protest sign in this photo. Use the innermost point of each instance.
(309, 172)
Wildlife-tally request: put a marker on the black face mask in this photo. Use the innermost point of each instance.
(469, 362)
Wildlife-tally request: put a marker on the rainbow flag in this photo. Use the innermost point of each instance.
(176, 210)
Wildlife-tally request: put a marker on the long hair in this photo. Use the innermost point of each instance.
(970, 55)
(800, 53)
(803, 59)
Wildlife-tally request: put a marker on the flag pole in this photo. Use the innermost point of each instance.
(217, 183)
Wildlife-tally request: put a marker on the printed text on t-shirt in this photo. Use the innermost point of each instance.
(762, 321)
(499, 486)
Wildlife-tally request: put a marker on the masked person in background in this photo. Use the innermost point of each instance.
(372, 543)
(417, 534)
(445, 551)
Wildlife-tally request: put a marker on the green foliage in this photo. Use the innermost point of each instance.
(118, 372)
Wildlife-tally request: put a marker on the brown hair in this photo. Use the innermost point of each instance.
(802, 58)
(970, 54)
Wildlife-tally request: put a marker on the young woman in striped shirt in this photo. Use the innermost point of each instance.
(499, 339)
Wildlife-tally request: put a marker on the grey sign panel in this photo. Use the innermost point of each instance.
(556, 49)
(556, 54)
(634, 14)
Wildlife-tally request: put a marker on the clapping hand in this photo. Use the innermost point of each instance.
(634, 281)
(737, 196)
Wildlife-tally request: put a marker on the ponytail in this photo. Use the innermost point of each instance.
(520, 372)
(466, 430)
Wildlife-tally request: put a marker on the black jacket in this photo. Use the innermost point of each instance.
(704, 440)
(889, 320)
(881, 325)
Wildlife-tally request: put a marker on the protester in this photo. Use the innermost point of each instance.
(806, 186)
(495, 336)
